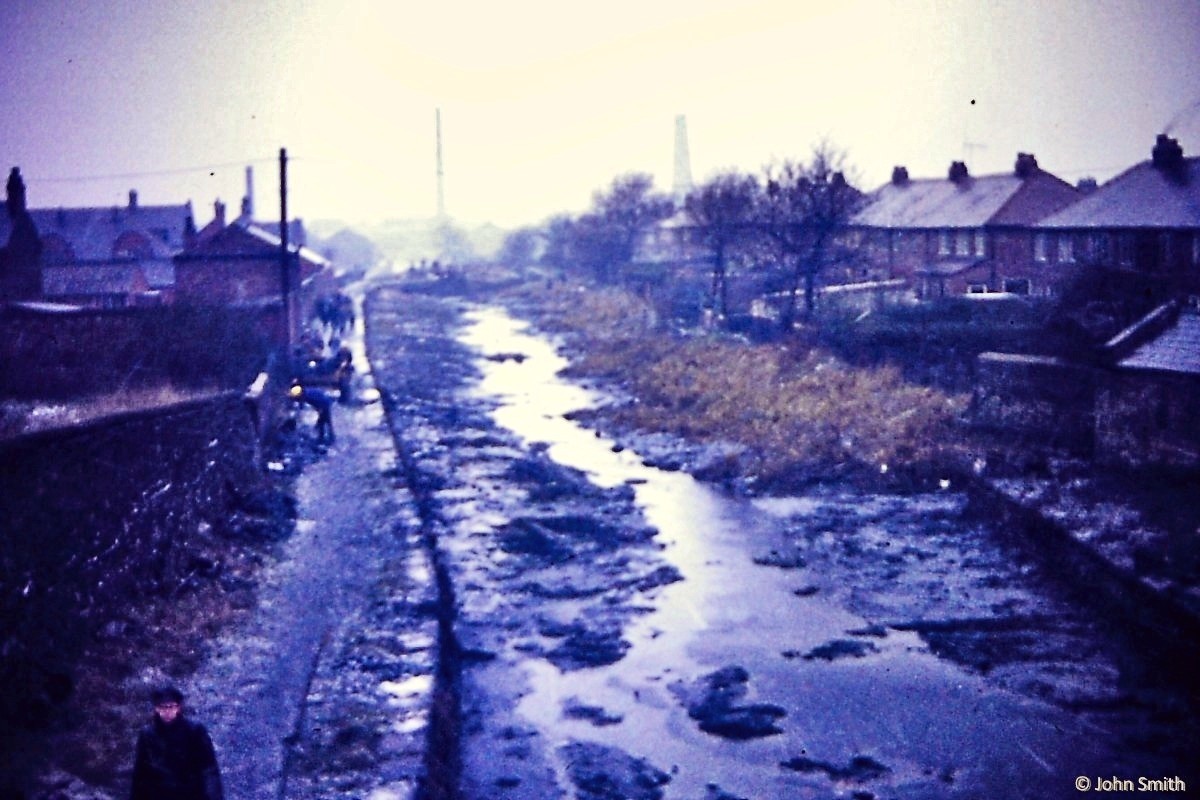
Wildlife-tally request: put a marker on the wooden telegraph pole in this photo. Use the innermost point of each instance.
(288, 291)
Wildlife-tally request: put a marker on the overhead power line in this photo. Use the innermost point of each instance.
(151, 173)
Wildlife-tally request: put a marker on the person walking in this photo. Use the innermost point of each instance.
(175, 758)
(323, 404)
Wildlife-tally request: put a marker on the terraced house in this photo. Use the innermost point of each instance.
(108, 257)
(961, 233)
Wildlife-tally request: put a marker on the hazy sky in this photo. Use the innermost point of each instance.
(545, 101)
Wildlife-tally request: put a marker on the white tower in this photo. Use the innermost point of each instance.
(441, 189)
(682, 183)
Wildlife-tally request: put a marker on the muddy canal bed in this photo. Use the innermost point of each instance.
(624, 631)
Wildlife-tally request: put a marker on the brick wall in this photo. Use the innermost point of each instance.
(68, 354)
(1045, 399)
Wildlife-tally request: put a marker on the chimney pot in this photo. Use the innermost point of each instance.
(133, 200)
(1026, 165)
(958, 171)
(219, 213)
(900, 176)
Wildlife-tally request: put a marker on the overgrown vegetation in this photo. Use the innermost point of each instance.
(798, 409)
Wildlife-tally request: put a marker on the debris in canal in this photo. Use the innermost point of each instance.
(860, 769)
(606, 773)
(841, 648)
(711, 701)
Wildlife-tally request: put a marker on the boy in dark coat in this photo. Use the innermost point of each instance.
(175, 757)
(323, 404)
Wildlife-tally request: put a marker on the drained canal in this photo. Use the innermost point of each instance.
(834, 644)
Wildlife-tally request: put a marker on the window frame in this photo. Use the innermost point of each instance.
(1040, 249)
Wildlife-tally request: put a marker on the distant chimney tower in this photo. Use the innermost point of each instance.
(682, 183)
(441, 188)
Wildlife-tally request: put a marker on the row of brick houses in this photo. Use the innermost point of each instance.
(140, 255)
(1023, 232)
(1028, 231)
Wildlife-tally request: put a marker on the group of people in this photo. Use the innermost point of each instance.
(322, 364)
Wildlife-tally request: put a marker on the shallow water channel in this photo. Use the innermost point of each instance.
(911, 654)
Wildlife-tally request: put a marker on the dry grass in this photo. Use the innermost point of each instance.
(790, 405)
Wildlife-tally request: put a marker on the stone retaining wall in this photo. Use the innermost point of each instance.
(1047, 400)
(102, 516)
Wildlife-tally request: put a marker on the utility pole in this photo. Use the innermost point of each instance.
(285, 260)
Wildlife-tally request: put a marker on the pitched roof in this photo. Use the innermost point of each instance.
(248, 240)
(1140, 197)
(1177, 349)
(92, 232)
(968, 203)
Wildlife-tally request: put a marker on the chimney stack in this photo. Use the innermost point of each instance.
(133, 200)
(219, 213)
(1026, 165)
(1167, 157)
(248, 200)
(189, 232)
(16, 193)
(958, 171)
(900, 176)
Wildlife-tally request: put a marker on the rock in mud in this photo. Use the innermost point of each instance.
(840, 648)
(860, 769)
(574, 708)
(606, 773)
(712, 701)
(589, 647)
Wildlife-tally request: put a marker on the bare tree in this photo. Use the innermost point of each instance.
(804, 210)
(609, 234)
(720, 213)
(520, 248)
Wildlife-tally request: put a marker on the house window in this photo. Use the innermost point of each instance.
(1166, 251)
(980, 244)
(962, 243)
(1098, 248)
(1125, 249)
(1039, 247)
(943, 243)
(1066, 249)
